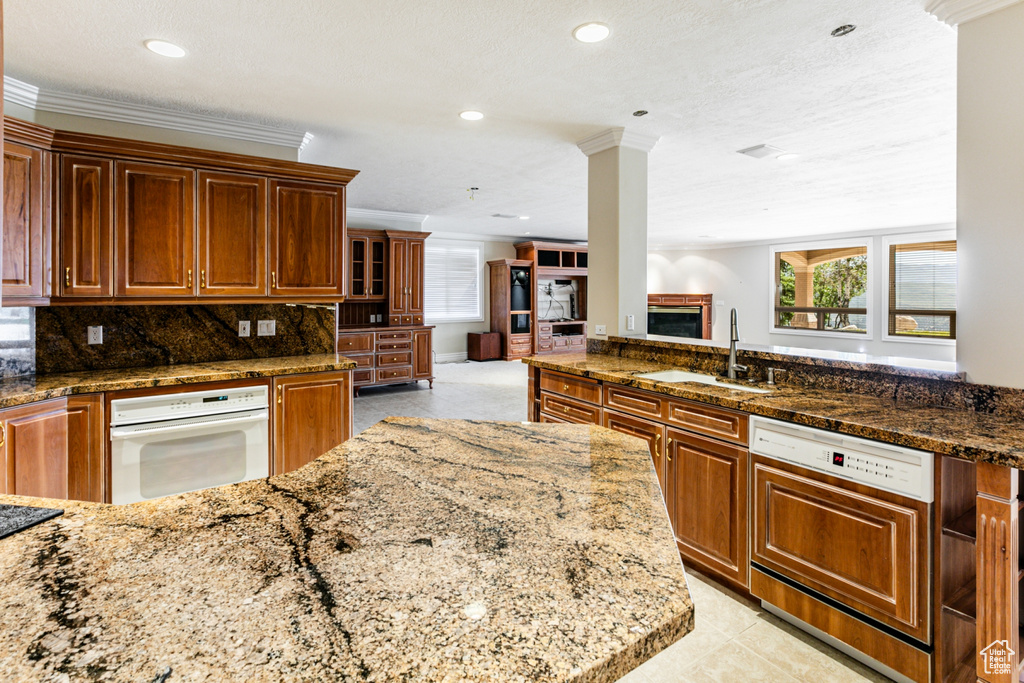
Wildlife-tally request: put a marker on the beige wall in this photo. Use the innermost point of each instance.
(84, 124)
(990, 197)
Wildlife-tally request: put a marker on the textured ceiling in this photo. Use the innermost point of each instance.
(380, 84)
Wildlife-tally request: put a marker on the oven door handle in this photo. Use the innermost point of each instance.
(129, 432)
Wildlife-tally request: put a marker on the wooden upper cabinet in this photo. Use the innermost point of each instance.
(232, 235)
(34, 449)
(414, 279)
(156, 227)
(397, 289)
(367, 266)
(86, 226)
(307, 239)
(312, 415)
(24, 240)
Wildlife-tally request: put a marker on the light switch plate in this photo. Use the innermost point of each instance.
(95, 333)
(630, 323)
(243, 328)
(266, 328)
(601, 329)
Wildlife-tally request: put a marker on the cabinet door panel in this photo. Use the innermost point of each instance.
(397, 286)
(414, 278)
(23, 246)
(307, 239)
(86, 226)
(155, 230)
(232, 235)
(36, 444)
(423, 355)
(312, 415)
(708, 491)
(86, 448)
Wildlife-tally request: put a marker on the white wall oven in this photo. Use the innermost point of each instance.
(173, 443)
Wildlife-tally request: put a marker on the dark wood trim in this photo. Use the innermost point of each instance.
(26, 133)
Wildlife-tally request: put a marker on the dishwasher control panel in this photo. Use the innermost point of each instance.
(906, 471)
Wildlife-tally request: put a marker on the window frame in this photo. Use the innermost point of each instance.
(479, 246)
(912, 238)
(869, 294)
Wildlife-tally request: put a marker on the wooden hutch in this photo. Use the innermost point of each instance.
(539, 299)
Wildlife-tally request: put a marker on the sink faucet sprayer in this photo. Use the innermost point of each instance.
(734, 336)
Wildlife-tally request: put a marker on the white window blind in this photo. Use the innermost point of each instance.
(922, 289)
(452, 275)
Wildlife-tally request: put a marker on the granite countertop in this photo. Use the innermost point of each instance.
(19, 390)
(435, 550)
(969, 435)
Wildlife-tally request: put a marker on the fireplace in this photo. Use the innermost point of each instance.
(679, 315)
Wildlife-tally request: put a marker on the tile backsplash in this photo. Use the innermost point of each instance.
(139, 336)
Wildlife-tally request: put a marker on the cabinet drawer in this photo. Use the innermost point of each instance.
(544, 329)
(569, 409)
(417, 320)
(708, 420)
(356, 341)
(572, 386)
(388, 347)
(399, 335)
(544, 344)
(396, 358)
(862, 547)
(561, 342)
(388, 374)
(519, 341)
(577, 341)
(360, 377)
(394, 320)
(551, 419)
(362, 361)
(634, 401)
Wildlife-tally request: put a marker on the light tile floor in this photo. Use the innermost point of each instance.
(734, 641)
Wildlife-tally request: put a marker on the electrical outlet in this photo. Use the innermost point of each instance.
(266, 328)
(95, 333)
(630, 323)
(601, 330)
(243, 328)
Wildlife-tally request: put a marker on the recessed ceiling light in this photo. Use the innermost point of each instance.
(843, 30)
(524, 218)
(593, 32)
(761, 151)
(471, 115)
(787, 156)
(165, 49)
(526, 233)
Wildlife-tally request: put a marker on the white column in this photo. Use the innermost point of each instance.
(617, 231)
(990, 195)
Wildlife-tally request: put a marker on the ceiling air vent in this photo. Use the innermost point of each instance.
(503, 215)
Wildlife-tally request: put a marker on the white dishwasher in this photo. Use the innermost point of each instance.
(841, 541)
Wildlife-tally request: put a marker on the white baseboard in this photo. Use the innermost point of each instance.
(450, 357)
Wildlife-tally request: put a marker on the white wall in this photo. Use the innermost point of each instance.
(450, 343)
(990, 197)
(741, 278)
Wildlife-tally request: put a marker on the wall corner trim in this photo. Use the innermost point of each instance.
(41, 99)
(617, 137)
(955, 12)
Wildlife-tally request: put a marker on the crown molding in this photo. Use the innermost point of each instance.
(617, 137)
(954, 12)
(373, 214)
(27, 95)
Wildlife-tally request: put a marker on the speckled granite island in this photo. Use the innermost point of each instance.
(421, 549)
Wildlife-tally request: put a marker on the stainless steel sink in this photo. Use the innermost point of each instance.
(672, 376)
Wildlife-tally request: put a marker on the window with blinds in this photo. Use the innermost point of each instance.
(922, 289)
(452, 275)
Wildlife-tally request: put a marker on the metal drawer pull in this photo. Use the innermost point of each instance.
(273, 279)
(67, 276)
(279, 391)
(3, 434)
(668, 450)
(189, 277)
(202, 278)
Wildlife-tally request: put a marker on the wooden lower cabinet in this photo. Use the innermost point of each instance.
(388, 355)
(707, 502)
(87, 441)
(312, 415)
(423, 356)
(34, 447)
(651, 432)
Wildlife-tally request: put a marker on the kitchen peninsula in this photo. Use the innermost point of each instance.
(918, 569)
(428, 549)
